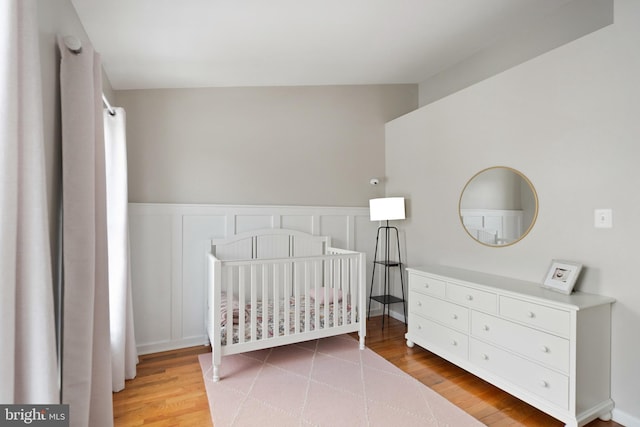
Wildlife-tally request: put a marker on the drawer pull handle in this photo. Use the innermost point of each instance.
(469, 297)
(454, 342)
(485, 327)
(419, 326)
(485, 356)
(531, 314)
(455, 317)
(544, 384)
(419, 303)
(545, 349)
(426, 285)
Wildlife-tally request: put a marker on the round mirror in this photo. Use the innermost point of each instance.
(498, 206)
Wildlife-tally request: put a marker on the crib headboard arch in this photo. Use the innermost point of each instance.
(269, 243)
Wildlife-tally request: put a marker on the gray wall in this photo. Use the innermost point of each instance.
(273, 145)
(568, 120)
(569, 22)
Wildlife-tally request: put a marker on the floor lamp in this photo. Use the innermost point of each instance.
(387, 209)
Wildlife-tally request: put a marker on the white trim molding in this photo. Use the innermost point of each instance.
(625, 419)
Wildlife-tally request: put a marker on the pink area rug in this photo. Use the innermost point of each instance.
(327, 382)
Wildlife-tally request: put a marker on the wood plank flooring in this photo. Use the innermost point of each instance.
(169, 389)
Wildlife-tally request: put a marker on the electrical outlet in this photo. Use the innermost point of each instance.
(603, 218)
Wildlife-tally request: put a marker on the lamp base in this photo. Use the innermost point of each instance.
(386, 298)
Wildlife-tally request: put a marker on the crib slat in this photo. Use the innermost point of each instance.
(306, 304)
(265, 302)
(327, 289)
(353, 292)
(296, 300)
(229, 293)
(254, 303)
(317, 268)
(337, 285)
(276, 300)
(242, 302)
(345, 282)
(358, 295)
(287, 298)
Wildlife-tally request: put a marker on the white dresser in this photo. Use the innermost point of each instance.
(548, 349)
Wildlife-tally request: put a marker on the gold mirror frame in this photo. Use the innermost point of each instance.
(533, 197)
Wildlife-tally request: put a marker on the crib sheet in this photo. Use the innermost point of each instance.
(281, 324)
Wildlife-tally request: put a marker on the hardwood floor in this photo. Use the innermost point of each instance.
(482, 400)
(169, 389)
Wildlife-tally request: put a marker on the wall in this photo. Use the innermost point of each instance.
(273, 145)
(568, 120)
(569, 22)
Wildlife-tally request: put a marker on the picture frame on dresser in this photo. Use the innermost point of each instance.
(562, 276)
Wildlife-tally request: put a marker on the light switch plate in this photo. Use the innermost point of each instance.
(603, 218)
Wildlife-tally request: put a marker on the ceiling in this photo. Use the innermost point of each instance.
(218, 43)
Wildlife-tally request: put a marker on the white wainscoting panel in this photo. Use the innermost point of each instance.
(336, 226)
(297, 222)
(168, 247)
(151, 256)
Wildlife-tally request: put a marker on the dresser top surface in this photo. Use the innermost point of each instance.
(510, 286)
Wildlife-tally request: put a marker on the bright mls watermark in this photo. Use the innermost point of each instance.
(34, 415)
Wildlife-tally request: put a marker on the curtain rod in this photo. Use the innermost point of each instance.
(75, 46)
(106, 103)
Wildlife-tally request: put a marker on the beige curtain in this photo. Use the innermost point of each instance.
(28, 366)
(86, 381)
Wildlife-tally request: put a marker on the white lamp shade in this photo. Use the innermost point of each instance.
(386, 209)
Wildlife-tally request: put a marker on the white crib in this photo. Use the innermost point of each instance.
(275, 287)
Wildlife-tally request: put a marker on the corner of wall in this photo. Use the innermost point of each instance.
(568, 23)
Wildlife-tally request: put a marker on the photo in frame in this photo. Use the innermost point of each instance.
(562, 276)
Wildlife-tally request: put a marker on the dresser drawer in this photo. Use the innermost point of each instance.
(539, 346)
(528, 376)
(547, 318)
(426, 285)
(473, 298)
(439, 336)
(450, 314)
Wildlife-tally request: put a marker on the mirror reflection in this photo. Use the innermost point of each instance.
(498, 206)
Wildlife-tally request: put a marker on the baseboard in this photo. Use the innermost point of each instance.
(625, 419)
(159, 347)
(393, 314)
(396, 315)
